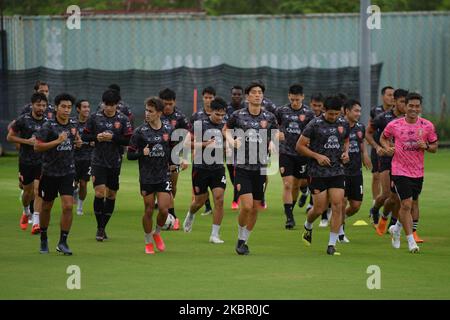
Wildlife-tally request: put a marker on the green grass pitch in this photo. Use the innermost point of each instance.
(279, 266)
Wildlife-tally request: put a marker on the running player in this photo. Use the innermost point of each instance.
(292, 120)
(121, 105)
(387, 95)
(174, 117)
(82, 157)
(111, 131)
(41, 87)
(377, 126)
(208, 95)
(150, 144)
(353, 169)
(237, 103)
(208, 170)
(23, 132)
(326, 140)
(412, 135)
(57, 139)
(258, 126)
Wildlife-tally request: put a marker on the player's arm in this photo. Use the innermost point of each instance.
(303, 149)
(88, 134)
(365, 155)
(14, 138)
(385, 142)
(370, 130)
(42, 146)
(133, 150)
(345, 157)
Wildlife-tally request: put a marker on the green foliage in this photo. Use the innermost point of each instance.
(221, 7)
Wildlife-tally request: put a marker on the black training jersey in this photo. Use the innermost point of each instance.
(231, 108)
(292, 122)
(177, 120)
(123, 108)
(199, 115)
(257, 135)
(49, 112)
(379, 123)
(356, 138)
(108, 153)
(268, 105)
(25, 127)
(206, 159)
(58, 161)
(374, 112)
(327, 139)
(85, 152)
(154, 168)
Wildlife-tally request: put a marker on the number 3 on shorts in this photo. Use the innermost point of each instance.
(224, 180)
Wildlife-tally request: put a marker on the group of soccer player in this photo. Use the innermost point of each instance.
(321, 147)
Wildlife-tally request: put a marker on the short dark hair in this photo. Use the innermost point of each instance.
(400, 93)
(296, 89)
(218, 104)
(38, 97)
(255, 84)
(414, 96)
(386, 88)
(114, 86)
(111, 97)
(79, 102)
(155, 102)
(167, 94)
(317, 97)
(39, 83)
(237, 88)
(64, 97)
(209, 90)
(350, 103)
(333, 103)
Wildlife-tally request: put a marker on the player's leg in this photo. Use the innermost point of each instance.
(288, 182)
(231, 173)
(415, 217)
(26, 178)
(320, 199)
(66, 218)
(48, 191)
(82, 193)
(99, 179)
(353, 196)
(218, 196)
(174, 181)
(244, 188)
(163, 196)
(200, 189)
(376, 188)
(112, 187)
(336, 196)
(147, 218)
(385, 183)
(37, 207)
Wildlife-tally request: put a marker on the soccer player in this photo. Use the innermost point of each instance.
(23, 131)
(83, 156)
(111, 131)
(208, 95)
(151, 145)
(412, 135)
(377, 126)
(57, 139)
(257, 125)
(292, 120)
(208, 170)
(174, 117)
(316, 104)
(387, 95)
(326, 140)
(237, 103)
(353, 169)
(392, 202)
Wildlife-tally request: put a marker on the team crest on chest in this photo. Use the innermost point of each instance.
(263, 124)
(117, 125)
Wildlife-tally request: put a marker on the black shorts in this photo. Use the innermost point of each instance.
(354, 187)
(29, 173)
(202, 179)
(106, 176)
(407, 187)
(248, 181)
(385, 163)
(374, 159)
(147, 189)
(320, 184)
(293, 166)
(83, 170)
(49, 187)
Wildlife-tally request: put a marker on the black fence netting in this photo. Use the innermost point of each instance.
(16, 87)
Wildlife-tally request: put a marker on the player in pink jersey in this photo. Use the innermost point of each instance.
(412, 136)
